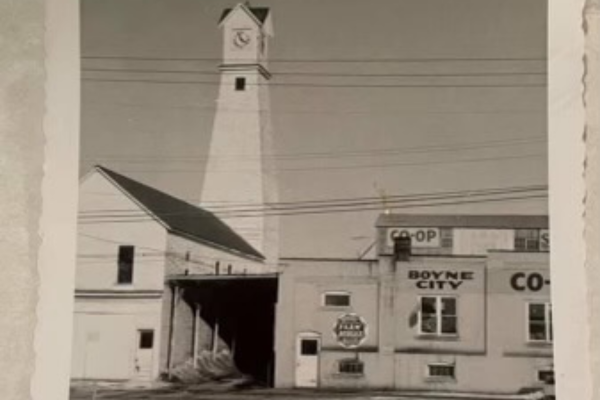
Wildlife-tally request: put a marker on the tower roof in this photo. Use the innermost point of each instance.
(260, 13)
(182, 217)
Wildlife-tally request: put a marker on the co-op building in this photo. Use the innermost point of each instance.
(464, 305)
(468, 308)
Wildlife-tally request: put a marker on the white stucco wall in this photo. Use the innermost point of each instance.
(99, 239)
(106, 318)
(203, 258)
(105, 336)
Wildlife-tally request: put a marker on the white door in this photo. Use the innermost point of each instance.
(144, 354)
(308, 347)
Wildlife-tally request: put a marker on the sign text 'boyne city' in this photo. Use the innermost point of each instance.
(439, 279)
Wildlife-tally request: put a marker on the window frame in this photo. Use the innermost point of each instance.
(324, 296)
(142, 345)
(528, 240)
(546, 370)
(438, 316)
(548, 323)
(429, 376)
(120, 278)
(446, 238)
(353, 362)
(240, 84)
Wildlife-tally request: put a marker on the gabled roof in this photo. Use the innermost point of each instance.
(463, 221)
(181, 217)
(260, 13)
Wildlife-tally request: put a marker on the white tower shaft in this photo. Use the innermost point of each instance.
(239, 182)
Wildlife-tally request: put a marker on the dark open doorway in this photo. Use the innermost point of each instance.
(239, 312)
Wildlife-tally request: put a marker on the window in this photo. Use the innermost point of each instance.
(125, 273)
(546, 376)
(309, 347)
(437, 316)
(447, 239)
(240, 84)
(446, 371)
(527, 240)
(539, 317)
(146, 339)
(336, 299)
(351, 366)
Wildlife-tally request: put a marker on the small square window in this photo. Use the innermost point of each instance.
(441, 371)
(447, 238)
(240, 84)
(336, 300)
(546, 376)
(309, 347)
(351, 366)
(146, 339)
(527, 240)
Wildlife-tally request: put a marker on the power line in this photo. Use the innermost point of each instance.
(361, 209)
(339, 202)
(348, 167)
(325, 60)
(373, 111)
(354, 153)
(275, 74)
(227, 205)
(269, 210)
(177, 255)
(332, 154)
(319, 85)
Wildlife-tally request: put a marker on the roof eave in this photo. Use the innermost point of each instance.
(234, 252)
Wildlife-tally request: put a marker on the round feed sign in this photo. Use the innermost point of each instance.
(350, 330)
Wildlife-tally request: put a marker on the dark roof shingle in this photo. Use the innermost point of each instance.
(260, 13)
(182, 217)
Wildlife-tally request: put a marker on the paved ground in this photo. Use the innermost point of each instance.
(204, 392)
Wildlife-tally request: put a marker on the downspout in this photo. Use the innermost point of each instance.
(171, 331)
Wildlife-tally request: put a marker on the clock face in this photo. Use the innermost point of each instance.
(241, 39)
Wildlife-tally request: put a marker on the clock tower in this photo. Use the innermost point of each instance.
(239, 181)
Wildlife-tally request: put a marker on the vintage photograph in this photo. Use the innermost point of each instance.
(313, 199)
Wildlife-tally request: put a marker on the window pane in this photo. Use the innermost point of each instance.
(448, 306)
(125, 264)
(537, 312)
(308, 347)
(240, 84)
(546, 376)
(537, 330)
(428, 323)
(550, 325)
(428, 305)
(146, 339)
(337, 300)
(441, 371)
(449, 325)
(351, 367)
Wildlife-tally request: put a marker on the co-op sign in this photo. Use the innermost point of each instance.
(420, 237)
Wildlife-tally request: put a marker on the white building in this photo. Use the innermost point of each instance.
(131, 237)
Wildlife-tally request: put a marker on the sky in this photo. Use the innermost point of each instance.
(479, 123)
